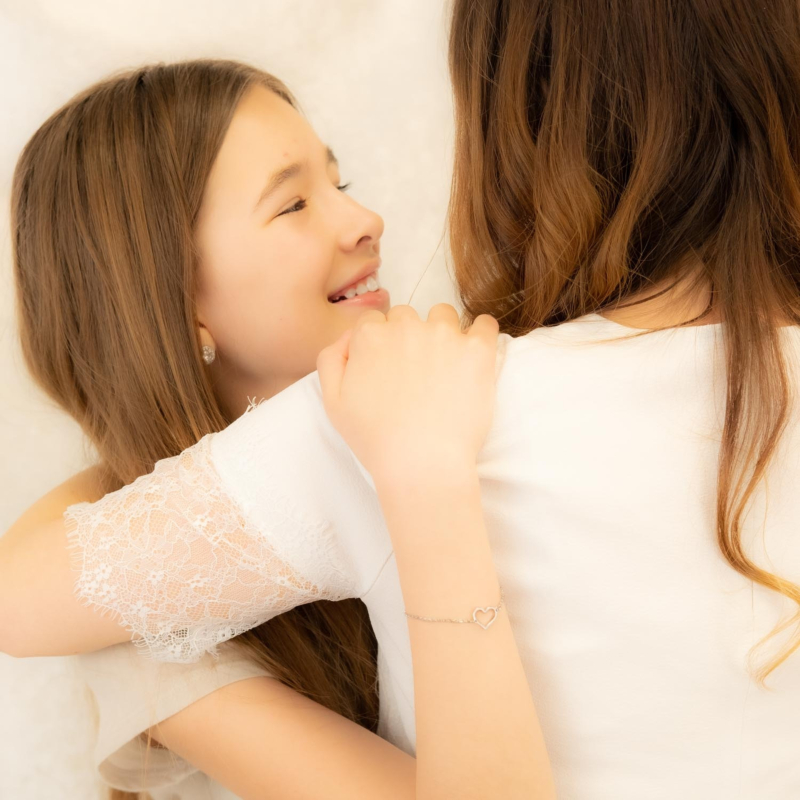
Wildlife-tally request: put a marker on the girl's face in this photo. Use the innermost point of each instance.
(277, 238)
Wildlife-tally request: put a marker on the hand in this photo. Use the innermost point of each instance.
(411, 395)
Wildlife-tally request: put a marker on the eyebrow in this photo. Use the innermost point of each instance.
(282, 175)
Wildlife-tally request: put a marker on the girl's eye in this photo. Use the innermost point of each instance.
(298, 206)
(301, 204)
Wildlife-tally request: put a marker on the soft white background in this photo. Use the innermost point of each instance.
(370, 75)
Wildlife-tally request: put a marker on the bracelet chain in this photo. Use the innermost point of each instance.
(475, 619)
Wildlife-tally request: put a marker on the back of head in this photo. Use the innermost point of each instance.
(604, 147)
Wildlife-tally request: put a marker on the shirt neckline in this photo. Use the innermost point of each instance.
(712, 327)
(599, 318)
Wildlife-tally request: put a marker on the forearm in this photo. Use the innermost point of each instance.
(478, 734)
(137, 565)
(39, 612)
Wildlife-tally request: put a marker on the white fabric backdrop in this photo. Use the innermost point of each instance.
(371, 76)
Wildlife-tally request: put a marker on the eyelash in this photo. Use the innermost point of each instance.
(301, 204)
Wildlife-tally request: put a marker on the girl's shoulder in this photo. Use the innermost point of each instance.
(84, 486)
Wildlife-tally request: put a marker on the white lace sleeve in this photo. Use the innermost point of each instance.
(174, 556)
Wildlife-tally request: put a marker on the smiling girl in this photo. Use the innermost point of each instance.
(186, 237)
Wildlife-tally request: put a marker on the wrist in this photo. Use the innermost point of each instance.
(438, 509)
(426, 476)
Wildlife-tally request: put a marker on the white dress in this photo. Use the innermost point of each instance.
(598, 484)
(131, 694)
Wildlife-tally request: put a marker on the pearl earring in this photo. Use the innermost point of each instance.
(209, 354)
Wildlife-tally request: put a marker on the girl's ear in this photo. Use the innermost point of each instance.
(206, 339)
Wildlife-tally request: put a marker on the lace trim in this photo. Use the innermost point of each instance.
(173, 558)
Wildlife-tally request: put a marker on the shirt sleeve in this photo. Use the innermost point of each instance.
(131, 694)
(186, 557)
(273, 512)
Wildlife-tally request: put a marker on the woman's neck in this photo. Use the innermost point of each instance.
(667, 310)
(684, 301)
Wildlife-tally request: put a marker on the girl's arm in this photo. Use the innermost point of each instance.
(284, 450)
(474, 708)
(256, 736)
(183, 559)
(477, 731)
(478, 734)
(40, 615)
(415, 401)
(260, 739)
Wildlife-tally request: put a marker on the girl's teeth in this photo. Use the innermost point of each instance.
(370, 285)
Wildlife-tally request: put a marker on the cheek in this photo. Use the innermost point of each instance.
(272, 317)
(258, 330)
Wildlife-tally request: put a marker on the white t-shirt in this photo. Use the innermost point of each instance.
(598, 483)
(131, 694)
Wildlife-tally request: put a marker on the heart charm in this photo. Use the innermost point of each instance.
(485, 611)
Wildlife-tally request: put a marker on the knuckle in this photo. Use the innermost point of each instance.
(368, 329)
(488, 319)
(368, 318)
(401, 312)
(480, 344)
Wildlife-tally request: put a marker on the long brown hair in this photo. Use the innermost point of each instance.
(606, 146)
(105, 198)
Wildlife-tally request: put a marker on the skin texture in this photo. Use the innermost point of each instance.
(670, 309)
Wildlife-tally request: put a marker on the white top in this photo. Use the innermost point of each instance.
(131, 694)
(598, 482)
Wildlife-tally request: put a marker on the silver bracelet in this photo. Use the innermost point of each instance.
(474, 619)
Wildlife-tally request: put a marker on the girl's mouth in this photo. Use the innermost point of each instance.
(367, 291)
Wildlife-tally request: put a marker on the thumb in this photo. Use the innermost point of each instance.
(331, 364)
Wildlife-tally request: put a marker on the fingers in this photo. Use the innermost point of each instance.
(485, 325)
(399, 312)
(444, 312)
(331, 364)
(371, 315)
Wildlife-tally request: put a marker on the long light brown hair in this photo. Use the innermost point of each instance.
(606, 146)
(105, 198)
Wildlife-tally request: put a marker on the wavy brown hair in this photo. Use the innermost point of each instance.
(604, 147)
(105, 198)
